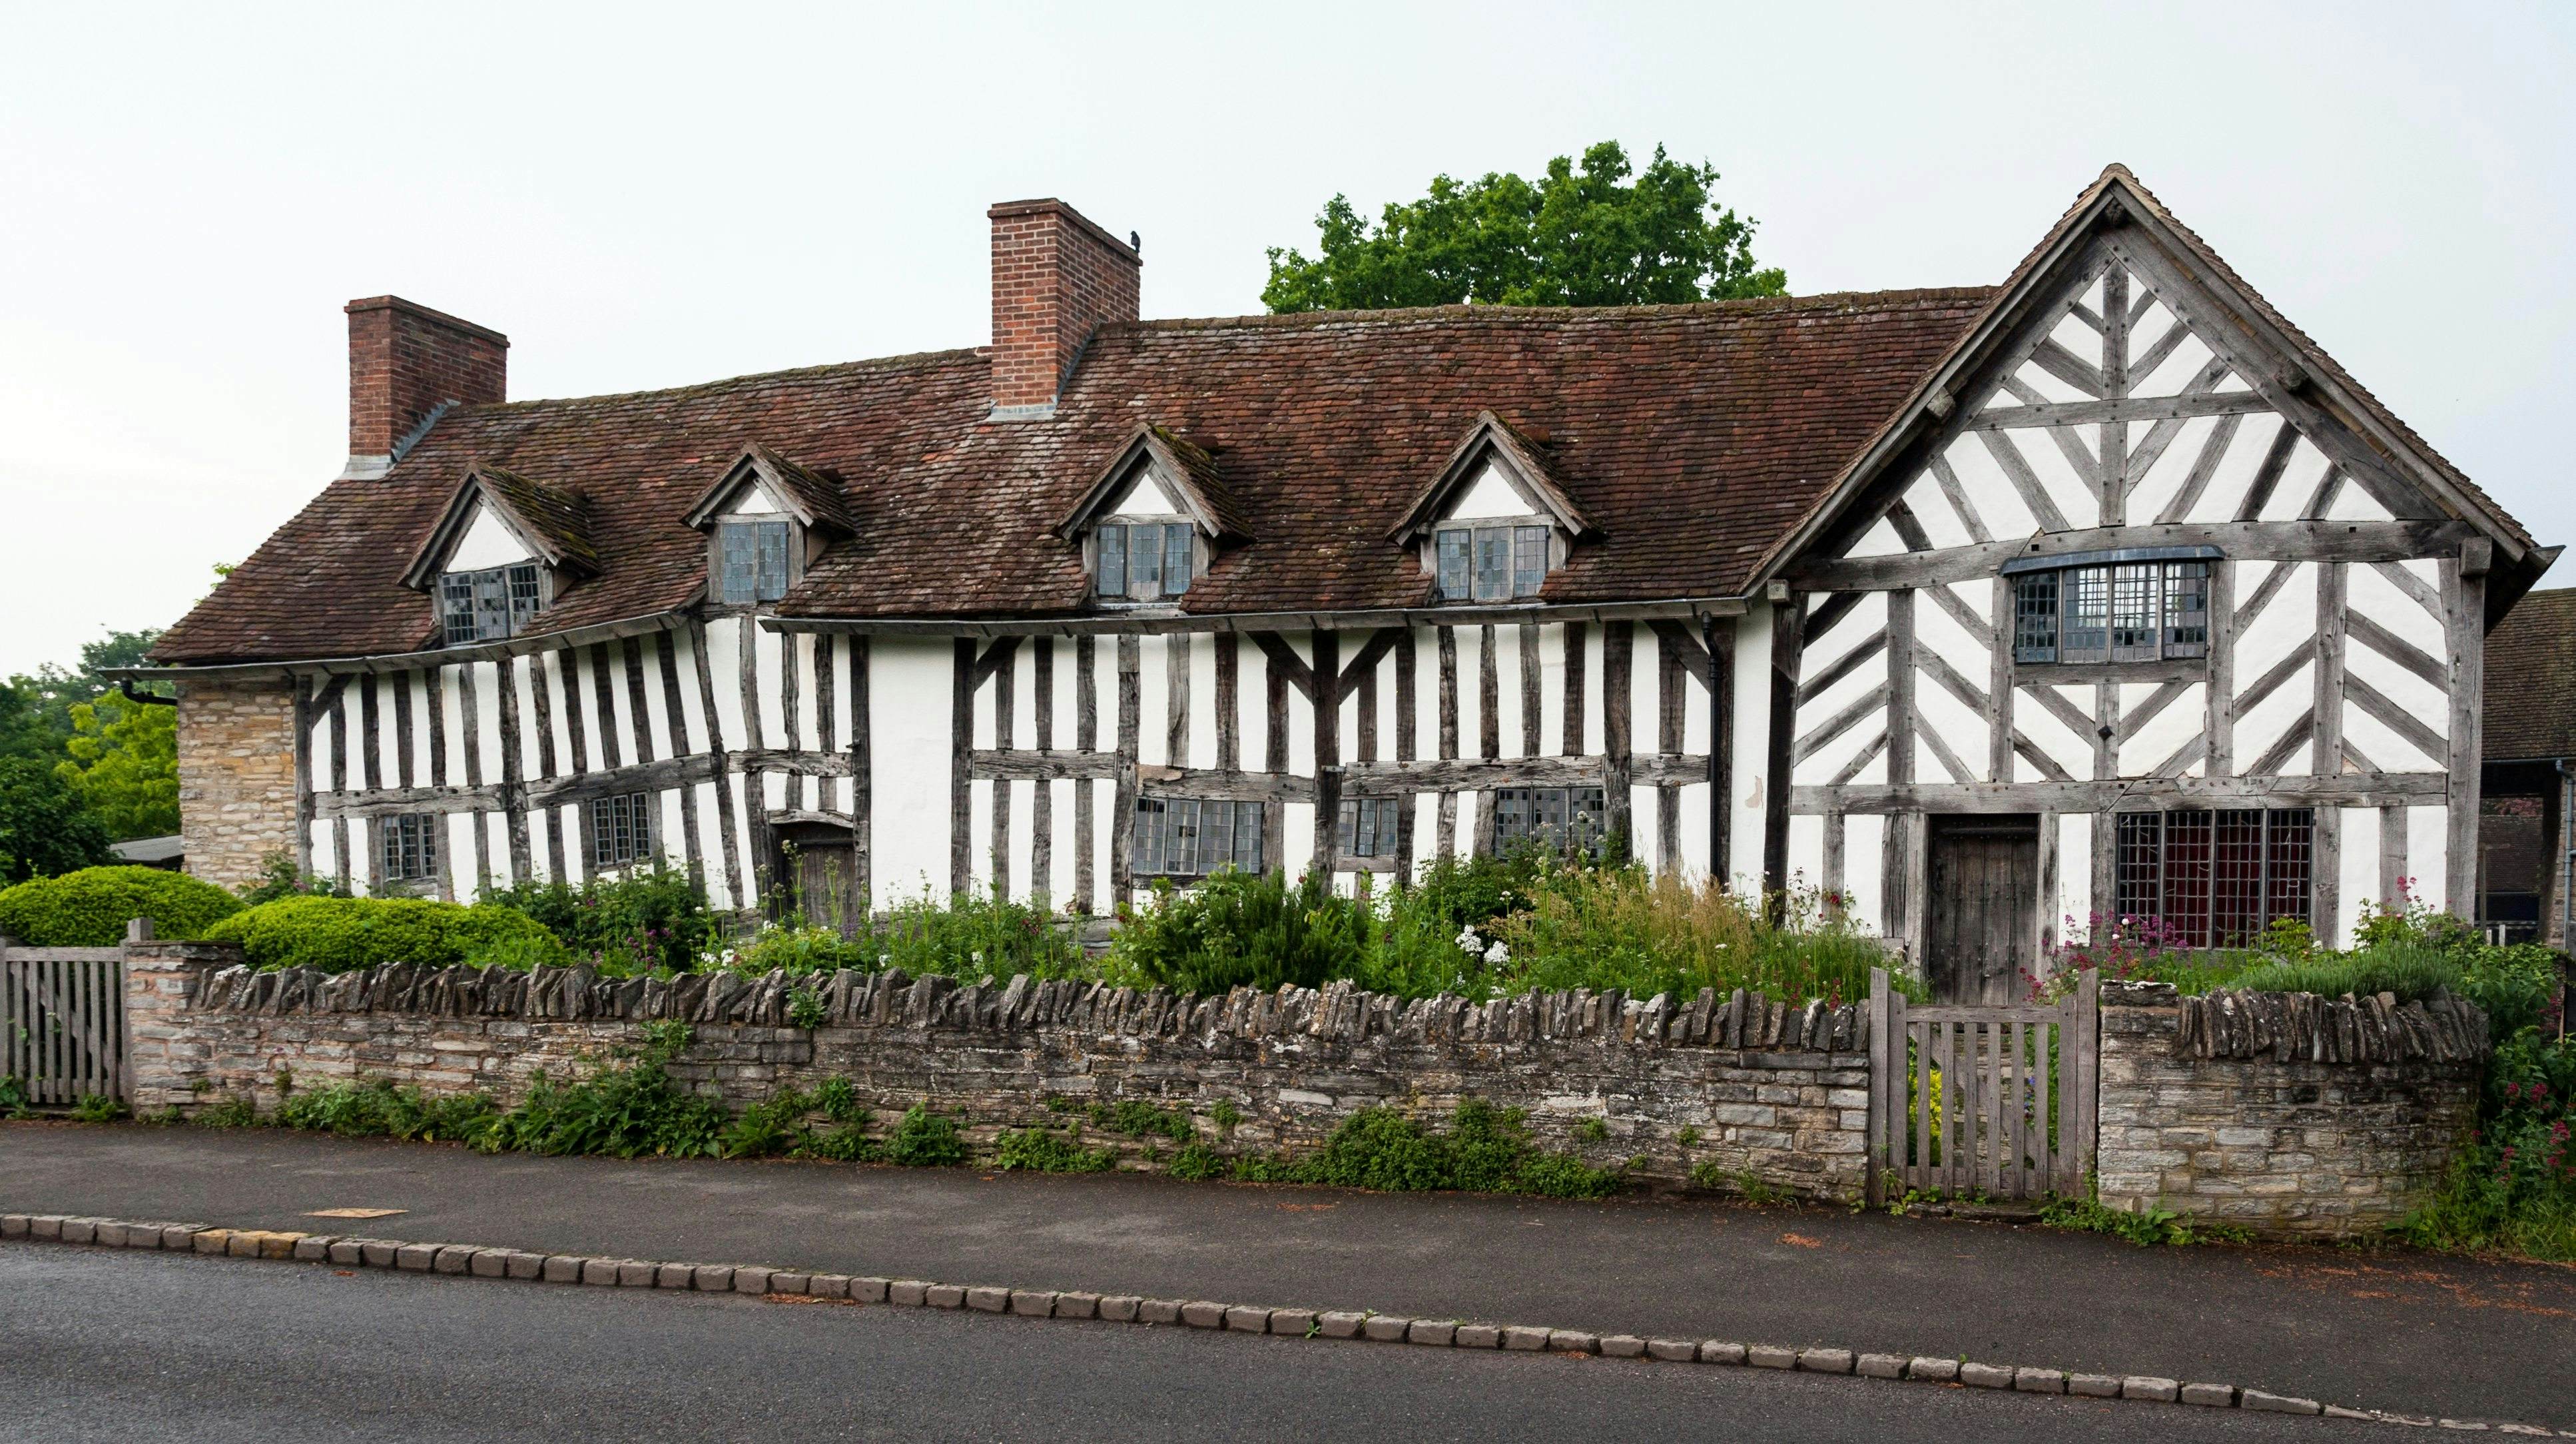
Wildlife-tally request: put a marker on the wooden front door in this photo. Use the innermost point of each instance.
(1983, 924)
(820, 868)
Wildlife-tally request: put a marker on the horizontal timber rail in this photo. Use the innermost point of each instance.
(2352, 789)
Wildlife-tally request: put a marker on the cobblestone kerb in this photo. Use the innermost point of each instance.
(471, 1261)
(1734, 1086)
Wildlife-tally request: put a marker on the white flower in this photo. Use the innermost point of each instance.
(1468, 942)
(1497, 955)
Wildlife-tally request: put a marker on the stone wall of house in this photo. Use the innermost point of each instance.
(236, 776)
(2286, 1114)
(1770, 1094)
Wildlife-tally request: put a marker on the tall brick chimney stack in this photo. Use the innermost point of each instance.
(405, 363)
(1056, 276)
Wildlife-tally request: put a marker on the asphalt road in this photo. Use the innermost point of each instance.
(2387, 1330)
(126, 1346)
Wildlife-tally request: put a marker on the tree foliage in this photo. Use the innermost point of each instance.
(1578, 236)
(124, 765)
(44, 828)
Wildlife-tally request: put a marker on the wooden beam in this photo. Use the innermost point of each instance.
(469, 712)
(2195, 483)
(2267, 477)
(1618, 693)
(728, 820)
(2016, 469)
(515, 818)
(2141, 408)
(1006, 711)
(1180, 656)
(1998, 710)
(2426, 594)
(2113, 474)
(1328, 737)
(2398, 650)
(1271, 788)
(1788, 645)
(1042, 797)
(1122, 814)
(1285, 664)
(1957, 495)
(2066, 366)
(2350, 789)
(1372, 652)
(2218, 723)
(1947, 599)
(2298, 734)
(2293, 541)
(568, 661)
(2396, 719)
(1577, 660)
(1086, 738)
(2325, 876)
(1445, 838)
(961, 776)
(541, 693)
(1475, 774)
(1841, 667)
(1828, 611)
(1822, 735)
(862, 894)
(2143, 457)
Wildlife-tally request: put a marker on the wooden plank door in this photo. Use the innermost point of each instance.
(1982, 932)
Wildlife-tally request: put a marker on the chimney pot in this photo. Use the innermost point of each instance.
(1056, 278)
(406, 364)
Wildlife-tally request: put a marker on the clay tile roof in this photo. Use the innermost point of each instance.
(1693, 437)
(2531, 671)
(558, 518)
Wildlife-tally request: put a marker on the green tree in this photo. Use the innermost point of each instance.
(1587, 236)
(44, 828)
(55, 690)
(124, 765)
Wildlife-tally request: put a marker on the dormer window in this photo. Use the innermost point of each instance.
(766, 519)
(751, 560)
(1494, 522)
(491, 604)
(1491, 562)
(1152, 520)
(1143, 561)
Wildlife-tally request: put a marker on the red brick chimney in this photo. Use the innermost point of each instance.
(406, 362)
(1056, 276)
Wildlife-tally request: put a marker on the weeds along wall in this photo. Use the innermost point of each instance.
(2283, 1113)
(1752, 1094)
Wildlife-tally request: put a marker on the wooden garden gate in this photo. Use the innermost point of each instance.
(62, 1021)
(1991, 1101)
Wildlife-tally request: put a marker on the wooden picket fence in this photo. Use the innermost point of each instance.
(62, 1022)
(1991, 1101)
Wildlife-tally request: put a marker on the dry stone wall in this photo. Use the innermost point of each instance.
(1768, 1093)
(2286, 1114)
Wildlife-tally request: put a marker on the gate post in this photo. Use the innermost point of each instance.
(1881, 1101)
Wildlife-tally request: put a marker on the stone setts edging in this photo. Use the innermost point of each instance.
(476, 1261)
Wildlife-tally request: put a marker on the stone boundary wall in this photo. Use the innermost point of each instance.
(1767, 1093)
(2286, 1114)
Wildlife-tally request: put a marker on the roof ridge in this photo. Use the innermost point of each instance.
(901, 361)
(1750, 305)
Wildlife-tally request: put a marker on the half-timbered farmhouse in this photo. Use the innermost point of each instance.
(2103, 590)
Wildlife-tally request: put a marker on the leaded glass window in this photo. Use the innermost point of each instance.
(1490, 563)
(2216, 879)
(1142, 561)
(2127, 612)
(1566, 819)
(1368, 826)
(1193, 837)
(408, 844)
(621, 829)
(491, 604)
(751, 562)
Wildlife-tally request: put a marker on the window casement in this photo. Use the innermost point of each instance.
(2112, 610)
(752, 560)
(1367, 826)
(1143, 561)
(491, 604)
(621, 829)
(1499, 562)
(407, 844)
(1564, 819)
(1193, 837)
(2216, 879)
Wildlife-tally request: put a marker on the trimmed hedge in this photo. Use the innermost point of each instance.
(342, 934)
(90, 908)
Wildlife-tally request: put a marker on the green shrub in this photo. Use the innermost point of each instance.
(1197, 1160)
(648, 918)
(238, 1110)
(626, 1110)
(923, 1139)
(1486, 1150)
(2519, 987)
(340, 935)
(1648, 933)
(280, 877)
(1136, 1118)
(972, 937)
(90, 908)
(1040, 1150)
(100, 1108)
(375, 1108)
(765, 1130)
(2513, 1184)
(2411, 970)
(1237, 929)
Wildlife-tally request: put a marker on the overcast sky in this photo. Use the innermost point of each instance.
(642, 196)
